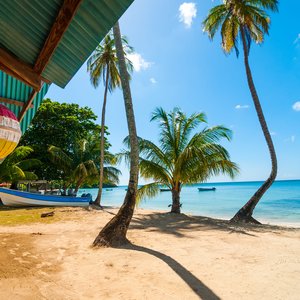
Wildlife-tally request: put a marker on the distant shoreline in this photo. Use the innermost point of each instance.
(219, 182)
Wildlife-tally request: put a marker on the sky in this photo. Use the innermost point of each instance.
(176, 65)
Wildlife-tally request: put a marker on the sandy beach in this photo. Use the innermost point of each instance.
(171, 257)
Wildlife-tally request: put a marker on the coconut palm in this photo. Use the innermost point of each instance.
(80, 166)
(181, 156)
(114, 232)
(17, 166)
(102, 65)
(245, 20)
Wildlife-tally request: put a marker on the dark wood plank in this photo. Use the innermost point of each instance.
(27, 105)
(59, 27)
(18, 69)
(14, 102)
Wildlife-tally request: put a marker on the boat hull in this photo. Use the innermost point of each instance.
(206, 189)
(18, 199)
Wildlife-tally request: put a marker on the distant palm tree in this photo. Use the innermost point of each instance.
(103, 65)
(182, 158)
(80, 166)
(17, 166)
(247, 20)
(114, 232)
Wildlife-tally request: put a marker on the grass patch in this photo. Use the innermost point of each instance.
(22, 216)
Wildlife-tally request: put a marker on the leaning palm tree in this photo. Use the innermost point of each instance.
(248, 21)
(182, 158)
(17, 166)
(103, 65)
(114, 232)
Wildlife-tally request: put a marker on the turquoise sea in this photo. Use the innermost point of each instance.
(280, 205)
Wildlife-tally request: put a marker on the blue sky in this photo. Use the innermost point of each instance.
(177, 65)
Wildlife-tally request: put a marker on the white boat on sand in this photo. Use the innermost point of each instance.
(18, 198)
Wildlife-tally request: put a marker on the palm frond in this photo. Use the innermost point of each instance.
(111, 174)
(152, 170)
(19, 154)
(16, 166)
(149, 190)
(60, 158)
(30, 176)
(233, 17)
(28, 164)
(104, 60)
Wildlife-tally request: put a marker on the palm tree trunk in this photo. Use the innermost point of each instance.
(245, 213)
(114, 232)
(175, 201)
(78, 184)
(64, 188)
(98, 198)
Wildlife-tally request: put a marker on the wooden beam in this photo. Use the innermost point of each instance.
(46, 80)
(14, 102)
(32, 75)
(20, 70)
(59, 27)
(27, 105)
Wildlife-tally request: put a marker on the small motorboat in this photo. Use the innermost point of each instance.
(18, 198)
(109, 190)
(165, 190)
(206, 189)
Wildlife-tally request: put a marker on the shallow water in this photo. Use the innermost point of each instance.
(281, 203)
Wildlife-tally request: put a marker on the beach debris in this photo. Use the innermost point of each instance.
(48, 214)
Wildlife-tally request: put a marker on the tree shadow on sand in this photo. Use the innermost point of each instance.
(180, 224)
(198, 287)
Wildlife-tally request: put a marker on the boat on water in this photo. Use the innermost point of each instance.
(109, 190)
(206, 189)
(18, 198)
(165, 190)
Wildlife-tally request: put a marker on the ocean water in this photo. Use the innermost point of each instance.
(280, 205)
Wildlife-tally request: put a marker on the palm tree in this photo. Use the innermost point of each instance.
(103, 64)
(247, 20)
(114, 232)
(80, 166)
(182, 158)
(17, 166)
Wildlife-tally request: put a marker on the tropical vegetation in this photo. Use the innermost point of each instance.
(245, 20)
(66, 140)
(62, 125)
(80, 166)
(17, 166)
(102, 65)
(184, 155)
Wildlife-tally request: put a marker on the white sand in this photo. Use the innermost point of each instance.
(174, 257)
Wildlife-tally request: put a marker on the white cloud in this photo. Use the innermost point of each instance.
(139, 63)
(296, 106)
(273, 133)
(291, 139)
(187, 12)
(297, 39)
(239, 106)
(153, 80)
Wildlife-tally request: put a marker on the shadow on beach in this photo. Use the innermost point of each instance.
(179, 224)
(198, 287)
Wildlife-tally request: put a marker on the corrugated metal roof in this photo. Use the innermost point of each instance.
(14, 89)
(25, 25)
